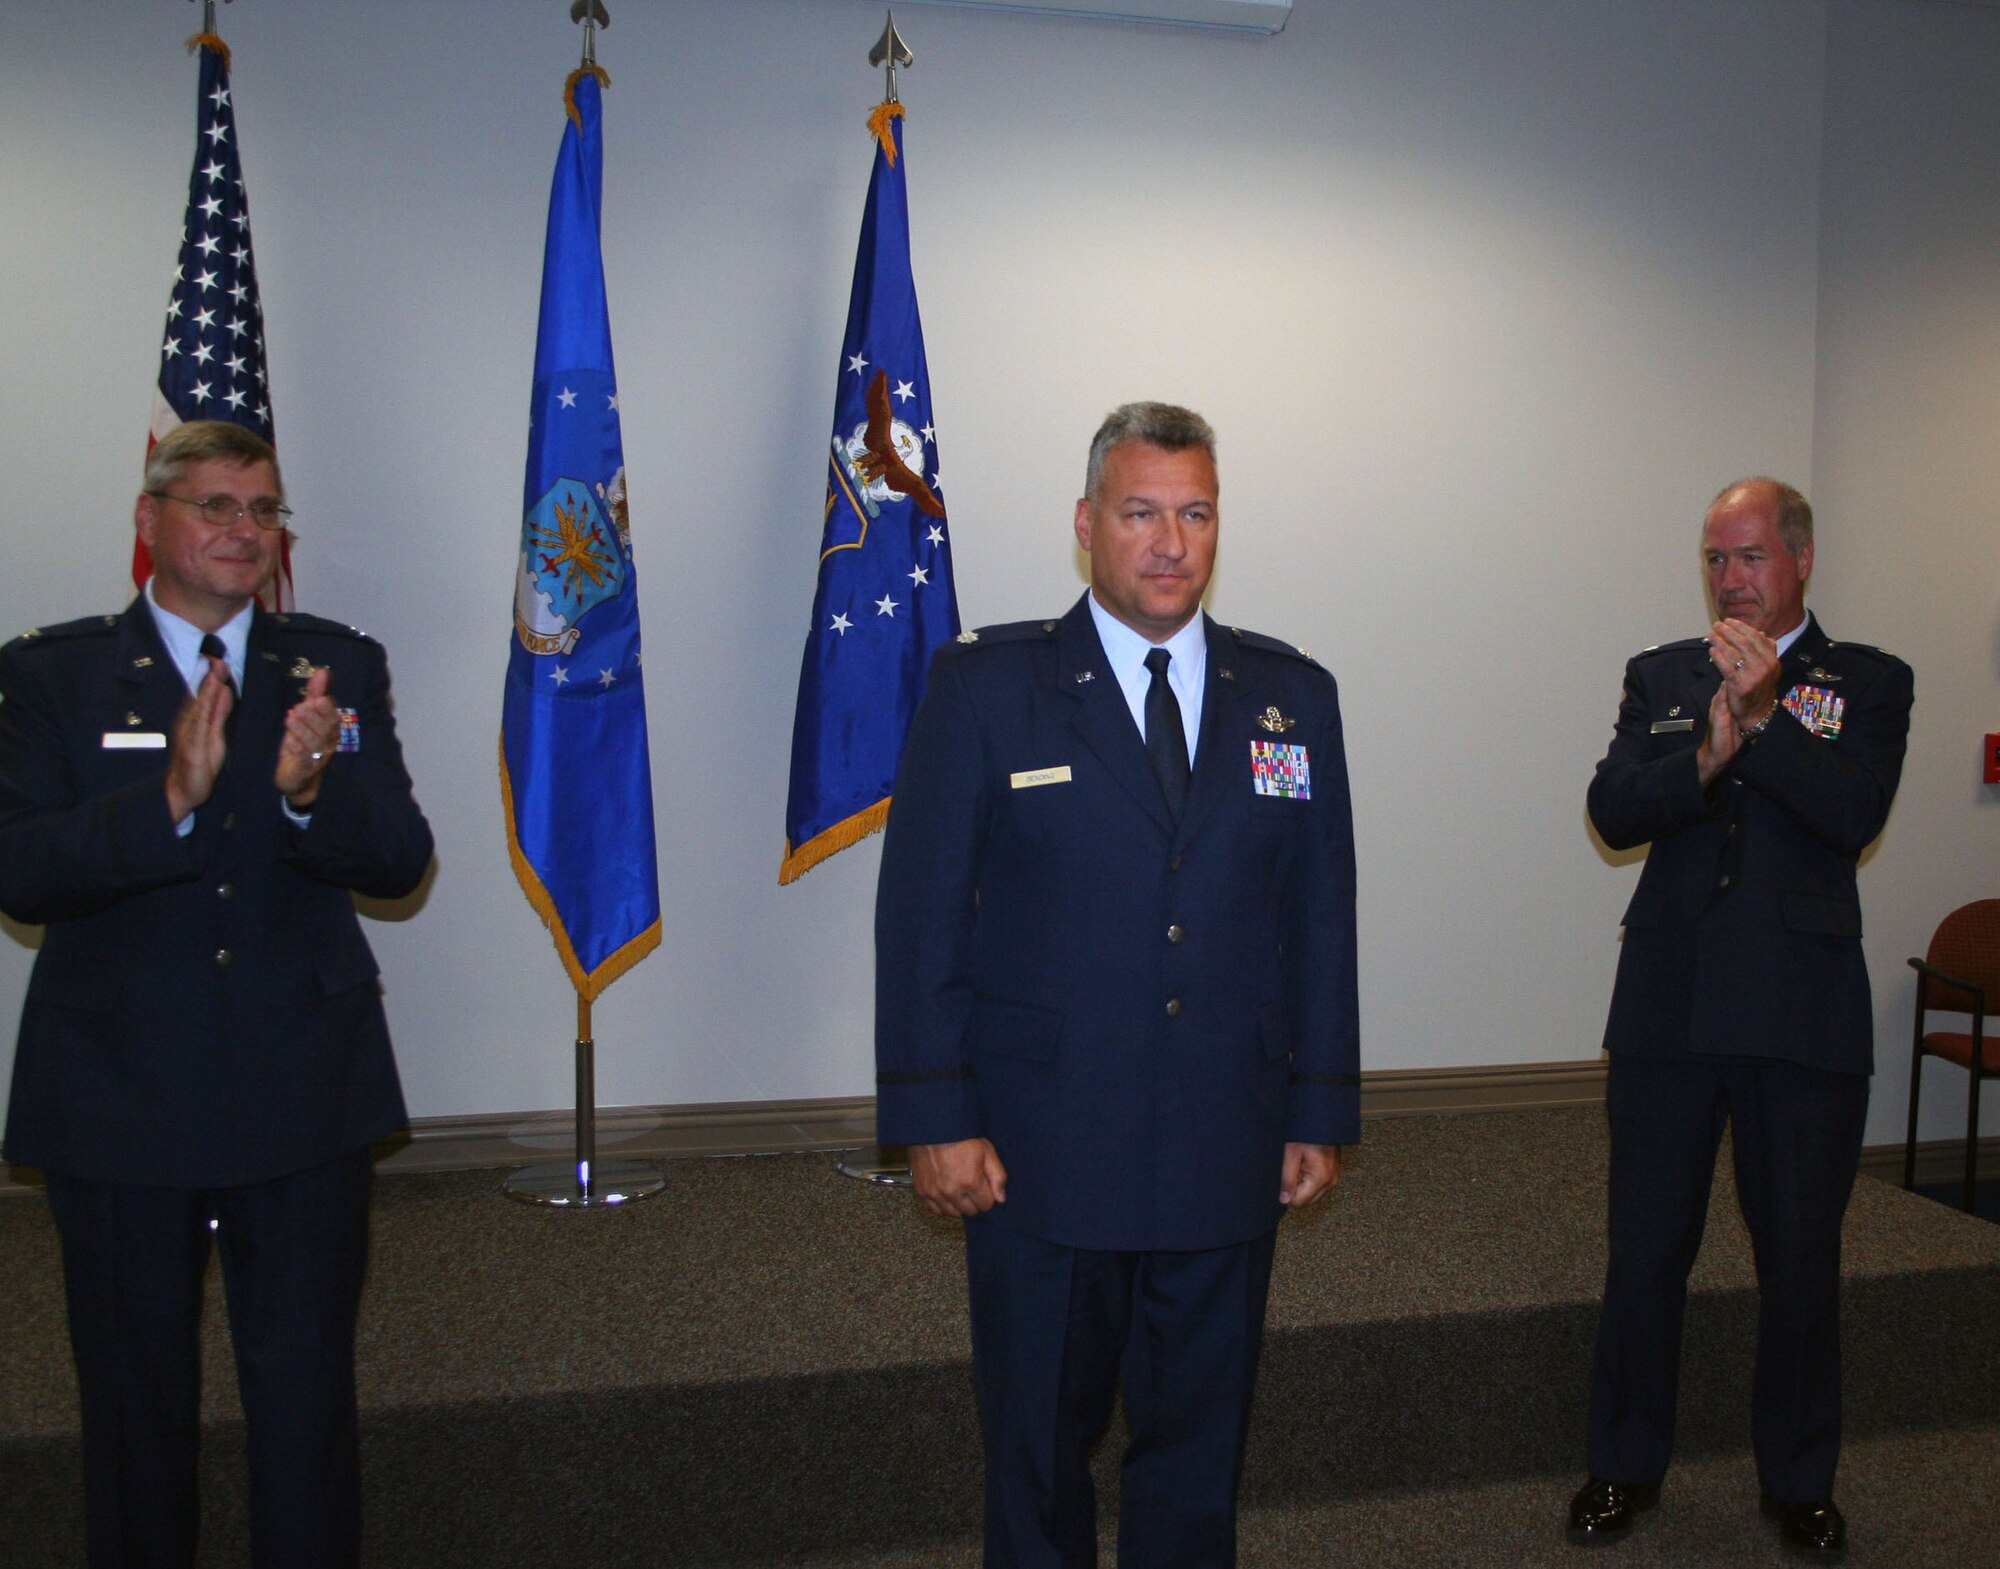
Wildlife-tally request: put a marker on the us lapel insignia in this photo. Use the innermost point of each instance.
(1225, 673)
(1084, 675)
(1275, 722)
(144, 661)
(1819, 710)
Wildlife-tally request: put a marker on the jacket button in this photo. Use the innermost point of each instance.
(1173, 1007)
(1723, 881)
(229, 820)
(1174, 865)
(1174, 934)
(225, 890)
(222, 958)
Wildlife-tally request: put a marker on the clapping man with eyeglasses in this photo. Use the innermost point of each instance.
(189, 791)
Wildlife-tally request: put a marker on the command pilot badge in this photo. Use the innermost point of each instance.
(1280, 768)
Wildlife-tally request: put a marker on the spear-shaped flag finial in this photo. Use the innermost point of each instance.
(891, 49)
(593, 16)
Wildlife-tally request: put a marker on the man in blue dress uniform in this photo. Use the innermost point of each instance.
(188, 793)
(1758, 762)
(1116, 1019)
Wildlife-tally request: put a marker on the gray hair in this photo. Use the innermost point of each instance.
(1794, 512)
(1164, 425)
(199, 441)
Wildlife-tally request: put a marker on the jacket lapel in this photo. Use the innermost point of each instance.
(1100, 717)
(153, 689)
(1222, 703)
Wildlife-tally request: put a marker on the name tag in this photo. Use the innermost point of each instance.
(1662, 726)
(134, 741)
(1027, 779)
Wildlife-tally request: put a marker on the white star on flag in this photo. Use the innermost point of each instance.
(560, 676)
(919, 575)
(936, 535)
(885, 606)
(566, 398)
(856, 363)
(605, 678)
(905, 391)
(840, 624)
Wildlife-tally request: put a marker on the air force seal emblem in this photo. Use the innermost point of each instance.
(572, 560)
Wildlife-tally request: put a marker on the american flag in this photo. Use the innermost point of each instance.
(212, 356)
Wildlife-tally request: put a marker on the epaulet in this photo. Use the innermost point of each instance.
(1868, 649)
(299, 621)
(1007, 632)
(1271, 645)
(87, 626)
(1679, 645)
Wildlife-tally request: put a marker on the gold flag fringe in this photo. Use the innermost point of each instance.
(878, 123)
(831, 841)
(210, 41)
(590, 985)
(569, 88)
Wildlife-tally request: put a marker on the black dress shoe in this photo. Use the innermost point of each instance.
(1816, 1526)
(1602, 1511)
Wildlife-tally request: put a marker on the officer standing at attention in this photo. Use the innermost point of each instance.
(1116, 1019)
(1758, 763)
(188, 792)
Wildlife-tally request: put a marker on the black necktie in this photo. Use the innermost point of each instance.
(1166, 741)
(212, 648)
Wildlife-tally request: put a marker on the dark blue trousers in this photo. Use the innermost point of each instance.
(1056, 1333)
(1796, 1133)
(293, 1254)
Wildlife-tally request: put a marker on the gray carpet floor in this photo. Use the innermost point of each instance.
(768, 1364)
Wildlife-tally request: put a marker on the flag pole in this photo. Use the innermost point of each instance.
(586, 1182)
(885, 1165)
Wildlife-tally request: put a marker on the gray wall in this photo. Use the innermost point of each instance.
(1486, 300)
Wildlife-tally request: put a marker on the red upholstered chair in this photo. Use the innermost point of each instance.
(1960, 974)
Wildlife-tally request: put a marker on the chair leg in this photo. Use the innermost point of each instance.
(1910, 1141)
(1972, 1137)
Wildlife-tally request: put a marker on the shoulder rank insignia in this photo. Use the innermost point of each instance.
(1275, 722)
(967, 637)
(1817, 709)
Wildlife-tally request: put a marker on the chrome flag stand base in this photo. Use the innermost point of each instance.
(881, 1164)
(588, 1183)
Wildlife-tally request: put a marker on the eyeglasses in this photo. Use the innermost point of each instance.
(221, 511)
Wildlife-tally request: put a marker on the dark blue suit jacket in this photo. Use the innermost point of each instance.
(1743, 938)
(1138, 1014)
(204, 1010)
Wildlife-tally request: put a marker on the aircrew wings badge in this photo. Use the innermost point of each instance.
(1817, 709)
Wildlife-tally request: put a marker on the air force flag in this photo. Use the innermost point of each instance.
(573, 770)
(885, 599)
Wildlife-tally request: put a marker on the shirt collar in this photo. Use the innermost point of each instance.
(1785, 643)
(183, 640)
(1127, 649)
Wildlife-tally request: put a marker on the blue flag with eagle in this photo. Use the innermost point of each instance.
(574, 777)
(885, 599)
